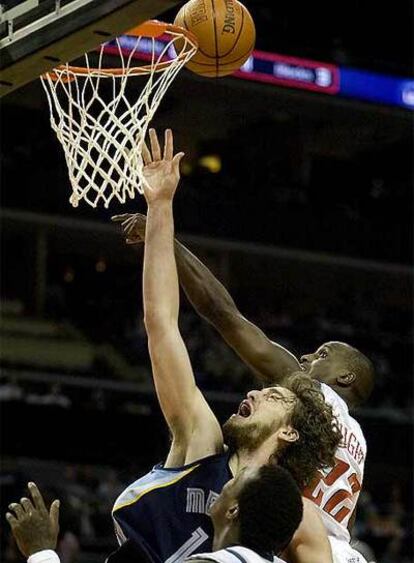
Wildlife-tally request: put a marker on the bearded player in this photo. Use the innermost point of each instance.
(346, 378)
(166, 512)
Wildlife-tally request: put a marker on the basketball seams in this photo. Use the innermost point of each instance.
(232, 62)
(241, 28)
(215, 37)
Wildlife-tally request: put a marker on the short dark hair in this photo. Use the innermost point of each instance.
(317, 426)
(270, 510)
(364, 370)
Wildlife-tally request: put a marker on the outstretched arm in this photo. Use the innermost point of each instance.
(270, 361)
(195, 430)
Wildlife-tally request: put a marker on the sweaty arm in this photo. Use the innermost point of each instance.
(270, 361)
(195, 430)
(310, 543)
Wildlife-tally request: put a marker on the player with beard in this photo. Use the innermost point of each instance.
(346, 378)
(166, 512)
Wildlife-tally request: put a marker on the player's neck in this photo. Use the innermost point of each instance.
(225, 536)
(248, 458)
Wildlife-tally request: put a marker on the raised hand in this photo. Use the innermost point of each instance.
(133, 226)
(34, 527)
(161, 171)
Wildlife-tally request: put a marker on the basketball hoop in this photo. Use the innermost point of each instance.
(99, 126)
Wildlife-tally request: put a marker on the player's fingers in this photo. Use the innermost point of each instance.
(126, 225)
(146, 155)
(27, 505)
(12, 520)
(169, 145)
(17, 509)
(120, 218)
(176, 162)
(37, 497)
(54, 513)
(155, 146)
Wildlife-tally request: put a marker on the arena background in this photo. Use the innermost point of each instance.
(300, 202)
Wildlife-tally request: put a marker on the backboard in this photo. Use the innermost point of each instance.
(37, 35)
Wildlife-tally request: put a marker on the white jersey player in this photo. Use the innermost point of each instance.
(335, 492)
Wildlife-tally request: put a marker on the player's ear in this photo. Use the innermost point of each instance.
(232, 512)
(288, 434)
(346, 379)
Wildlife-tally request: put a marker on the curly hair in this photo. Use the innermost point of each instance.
(318, 429)
(270, 510)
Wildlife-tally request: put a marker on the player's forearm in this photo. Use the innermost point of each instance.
(208, 296)
(160, 280)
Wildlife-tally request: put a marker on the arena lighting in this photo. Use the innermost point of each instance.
(100, 266)
(305, 74)
(211, 162)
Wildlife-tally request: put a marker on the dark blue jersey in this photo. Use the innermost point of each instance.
(166, 512)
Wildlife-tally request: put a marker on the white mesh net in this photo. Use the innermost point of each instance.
(101, 130)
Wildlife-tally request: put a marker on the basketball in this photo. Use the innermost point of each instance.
(226, 35)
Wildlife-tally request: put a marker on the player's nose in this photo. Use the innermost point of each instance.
(306, 358)
(253, 395)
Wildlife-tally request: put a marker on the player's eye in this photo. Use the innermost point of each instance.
(323, 354)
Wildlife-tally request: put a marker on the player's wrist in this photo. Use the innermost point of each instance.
(160, 203)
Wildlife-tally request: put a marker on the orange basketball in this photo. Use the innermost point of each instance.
(225, 32)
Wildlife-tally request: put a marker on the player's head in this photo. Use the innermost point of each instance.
(293, 425)
(344, 368)
(260, 508)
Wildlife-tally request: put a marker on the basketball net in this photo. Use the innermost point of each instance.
(99, 126)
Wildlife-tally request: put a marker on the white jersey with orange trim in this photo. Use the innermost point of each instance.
(335, 491)
(233, 554)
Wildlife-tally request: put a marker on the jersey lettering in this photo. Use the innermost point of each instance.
(195, 500)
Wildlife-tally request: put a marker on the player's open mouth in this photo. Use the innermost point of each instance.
(245, 409)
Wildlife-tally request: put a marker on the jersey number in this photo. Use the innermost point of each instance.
(198, 537)
(339, 469)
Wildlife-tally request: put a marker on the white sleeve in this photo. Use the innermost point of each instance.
(45, 556)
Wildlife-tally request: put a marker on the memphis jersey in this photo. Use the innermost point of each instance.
(166, 512)
(335, 491)
(234, 554)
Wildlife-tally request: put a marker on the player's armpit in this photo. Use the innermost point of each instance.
(310, 543)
